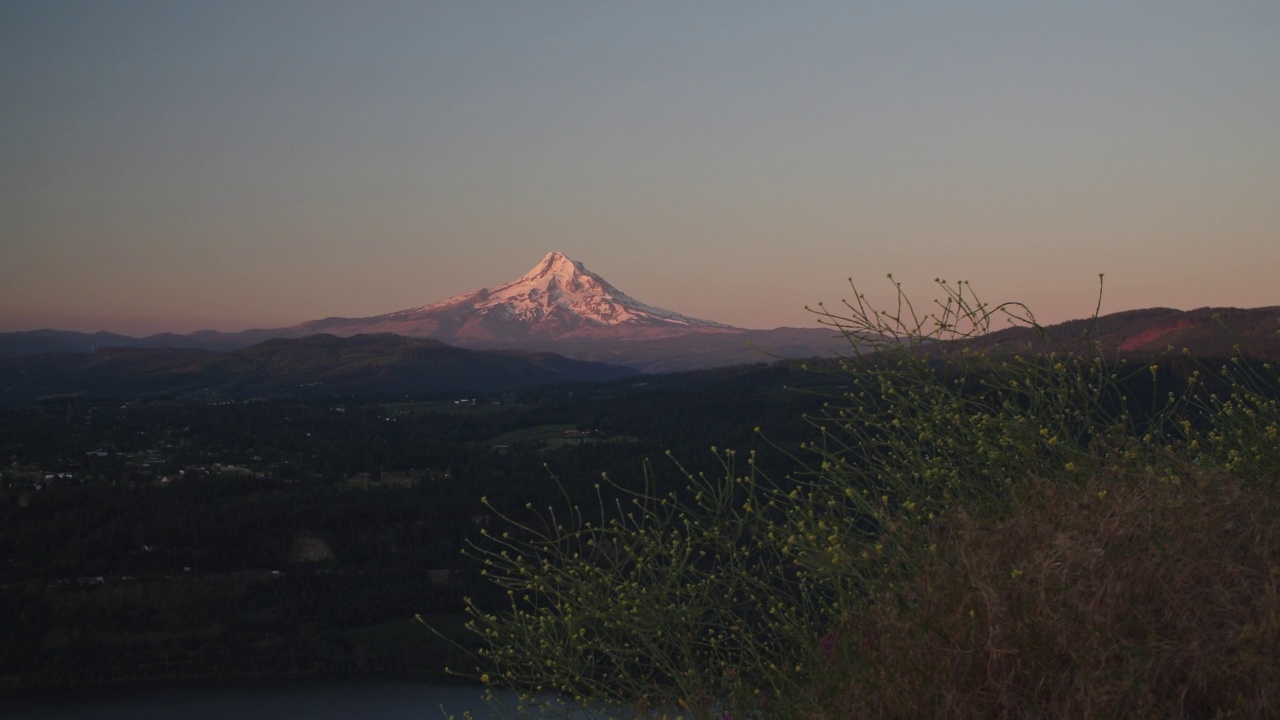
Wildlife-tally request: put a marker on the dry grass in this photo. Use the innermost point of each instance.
(1124, 597)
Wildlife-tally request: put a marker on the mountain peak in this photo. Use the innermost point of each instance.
(559, 297)
(556, 264)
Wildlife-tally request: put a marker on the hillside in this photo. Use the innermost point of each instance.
(320, 364)
(1204, 332)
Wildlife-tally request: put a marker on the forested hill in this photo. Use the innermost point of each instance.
(319, 364)
(1204, 332)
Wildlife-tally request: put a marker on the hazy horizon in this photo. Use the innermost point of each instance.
(176, 167)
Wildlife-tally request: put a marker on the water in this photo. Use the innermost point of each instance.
(346, 701)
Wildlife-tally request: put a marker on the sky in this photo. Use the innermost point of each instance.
(174, 166)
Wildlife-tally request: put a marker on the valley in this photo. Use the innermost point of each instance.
(164, 539)
(300, 502)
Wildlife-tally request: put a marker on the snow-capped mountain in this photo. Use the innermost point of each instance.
(558, 306)
(558, 299)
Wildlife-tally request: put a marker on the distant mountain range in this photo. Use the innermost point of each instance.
(318, 364)
(558, 306)
(561, 307)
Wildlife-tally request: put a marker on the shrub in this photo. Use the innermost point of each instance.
(969, 534)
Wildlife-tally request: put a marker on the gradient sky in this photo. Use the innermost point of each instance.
(187, 165)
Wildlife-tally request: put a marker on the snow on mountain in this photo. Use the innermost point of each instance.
(557, 298)
(558, 306)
